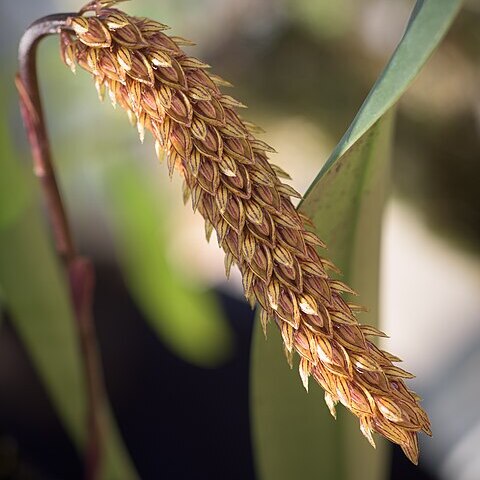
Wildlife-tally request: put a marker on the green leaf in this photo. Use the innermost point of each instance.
(34, 290)
(14, 194)
(427, 26)
(187, 319)
(38, 301)
(294, 435)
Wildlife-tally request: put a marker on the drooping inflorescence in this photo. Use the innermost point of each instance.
(239, 193)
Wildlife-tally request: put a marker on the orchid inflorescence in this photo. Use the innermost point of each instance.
(240, 194)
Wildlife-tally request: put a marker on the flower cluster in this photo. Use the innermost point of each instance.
(240, 194)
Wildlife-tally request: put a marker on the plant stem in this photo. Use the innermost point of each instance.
(79, 270)
(33, 117)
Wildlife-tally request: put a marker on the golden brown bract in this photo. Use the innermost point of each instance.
(239, 193)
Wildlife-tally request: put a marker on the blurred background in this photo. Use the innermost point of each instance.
(179, 389)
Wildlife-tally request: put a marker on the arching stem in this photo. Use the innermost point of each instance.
(79, 270)
(33, 118)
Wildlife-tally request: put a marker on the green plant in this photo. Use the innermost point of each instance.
(240, 194)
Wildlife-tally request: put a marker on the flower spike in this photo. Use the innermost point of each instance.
(240, 194)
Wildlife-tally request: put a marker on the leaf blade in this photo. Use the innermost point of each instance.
(427, 26)
(345, 202)
(307, 443)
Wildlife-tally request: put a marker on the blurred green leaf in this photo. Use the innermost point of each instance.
(188, 320)
(14, 194)
(293, 433)
(34, 291)
(323, 18)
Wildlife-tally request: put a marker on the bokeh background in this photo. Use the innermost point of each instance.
(180, 394)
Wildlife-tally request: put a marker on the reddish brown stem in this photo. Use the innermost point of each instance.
(80, 271)
(33, 117)
(82, 283)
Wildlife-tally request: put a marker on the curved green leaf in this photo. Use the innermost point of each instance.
(428, 24)
(187, 319)
(293, 433)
